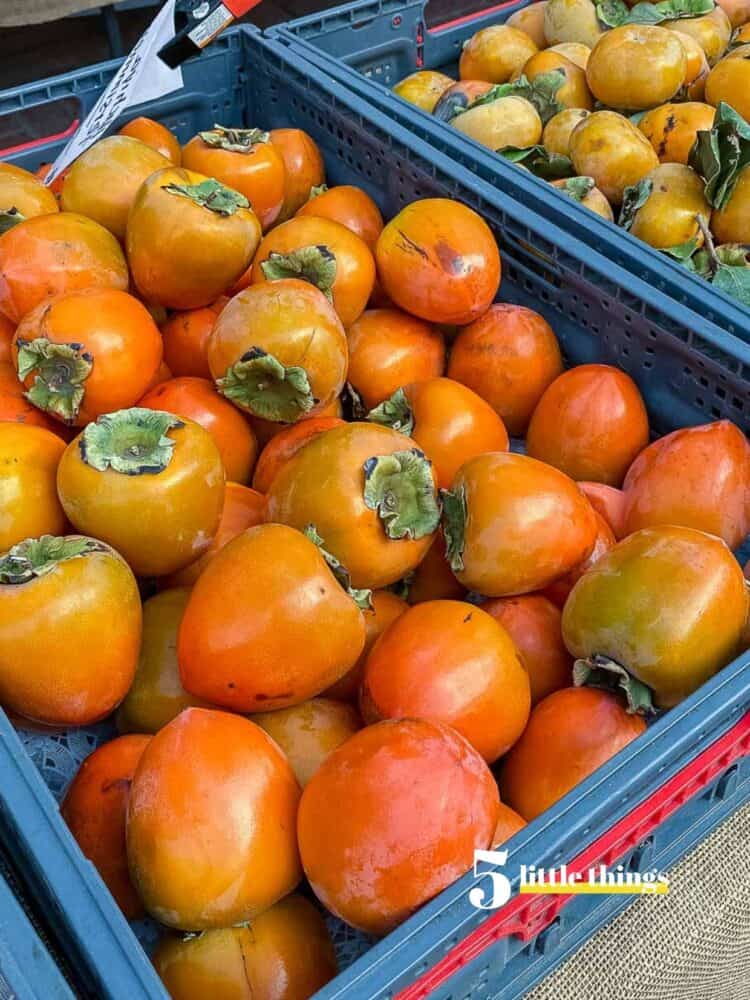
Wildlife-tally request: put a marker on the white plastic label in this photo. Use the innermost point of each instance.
(142, 77)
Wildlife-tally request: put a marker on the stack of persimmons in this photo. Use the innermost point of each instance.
(258, 499)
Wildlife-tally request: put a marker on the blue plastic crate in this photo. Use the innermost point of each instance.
(660, 796)
(369, 45)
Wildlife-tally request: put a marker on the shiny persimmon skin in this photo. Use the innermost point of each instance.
(183, 255)
(94, 808)
(293, 321)
(350, 207)
(495, 53)
(308, 733)
(29, 507)
(259, 174)
(185, 336)
(7, 329)
(267, 625)
(23, 191)
(508, 824)
(423, 88)
(389, 349)
(526, 524)
(335, 504)
(69, 640)
(508, 356)
(303, 168)
(433, 579)
(243, 508)
(570, 734)
(285, 445)
(590, 423)
(355, 267)
(51, 254)
(386, 608)
(559, 590)
(452, 424)
(438, 260)
(698, 477)
(156, 695)
(284, 954)
(698, 589)
(155, 135)
(534, 624)
(158, 522)
(118, 333)
(104, 180)
(392, 818)
(15, 407)
(210, 827)
(198, 400)
(636, 66)
(609, 503)
(449, 662)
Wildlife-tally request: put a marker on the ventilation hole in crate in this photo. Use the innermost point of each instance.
(700, 401)
(648, 364)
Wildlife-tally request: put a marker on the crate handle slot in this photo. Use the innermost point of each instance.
(528, 916)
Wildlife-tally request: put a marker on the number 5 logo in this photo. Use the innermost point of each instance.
(500, 883)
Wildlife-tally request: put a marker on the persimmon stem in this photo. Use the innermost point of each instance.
(262, 385)
(609, 675)
(35, 557)
(362, 597)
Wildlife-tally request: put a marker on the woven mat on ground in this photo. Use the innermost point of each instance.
(693, 944)
(15, 13)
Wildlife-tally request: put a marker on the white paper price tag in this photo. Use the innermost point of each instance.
(142, 77)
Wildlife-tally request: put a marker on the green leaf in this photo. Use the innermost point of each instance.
(733, 280)
(721, 153)
(601, 672)
(10, 217)
(615, 13)
(634, 198)
(578, 188)
(683, 252)
(540, 92)
(542, 163)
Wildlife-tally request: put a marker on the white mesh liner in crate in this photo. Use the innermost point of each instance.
(59, 754)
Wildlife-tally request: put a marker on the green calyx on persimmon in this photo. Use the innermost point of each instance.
(133, 442)
(401, 488)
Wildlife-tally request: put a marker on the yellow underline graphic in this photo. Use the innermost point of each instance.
(591, 889)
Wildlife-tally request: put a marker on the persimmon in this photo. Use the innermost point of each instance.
(52, 254)
(508, 824)
(95, 806)
(573, 91)
(586, 193)
(370, 494)
(570, 734)
(495, 53)
(15, 407)
(349, 206)
(508, 356)
(189, 238)
(57, 184)
(530, 20)
(577, 52)
(22, 196)
(279, 351)
(324, 253)
(392, 818)
(559, 590)
(70, 626)
(388, 349)
(309, 732)
(7, 329)
(738, 11)
(458, 97)
(450, 662)
(385, 608)
(696, 68)
(698, 477)
(534, 624)
(210, 827)
(502, 120)
(147, 482)
(243, 508)
(103, 181)
(29, 457)
(267, 625)
(672, 128)
(674, 203)
(558, 130)
(423, 88)
(590, 423)
(433, 579)
(609, 148)
(449, 422)
(246, 160)
(303, 167)
(730, 223)
(712, 31)
(185, 337)
(572, 21)
(438, 260)
(155, 135)
(85, 353)
(636, 66)
(729, 80)
(285, 445)
(198, 400)
(609, 503)
(156, 695)
(285, 953)
(513, 524)
(699, 593)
